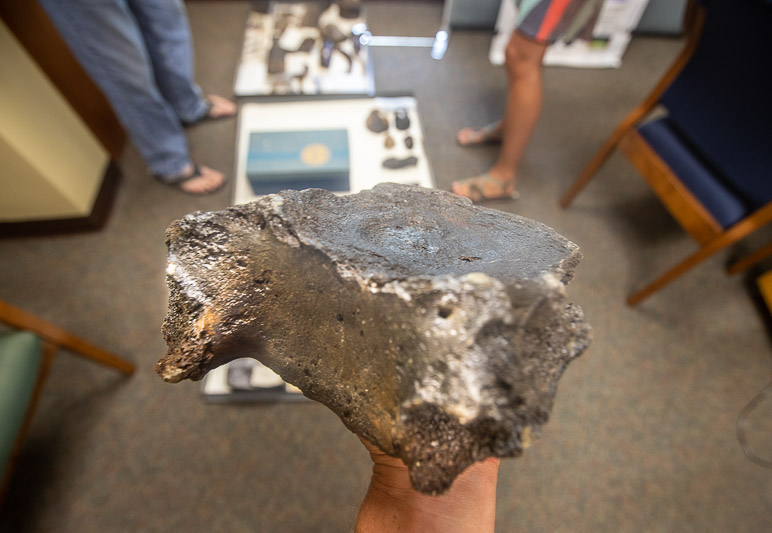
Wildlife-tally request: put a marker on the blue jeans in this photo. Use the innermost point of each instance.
(139, 52)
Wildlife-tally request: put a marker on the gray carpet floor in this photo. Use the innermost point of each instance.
(642, 436)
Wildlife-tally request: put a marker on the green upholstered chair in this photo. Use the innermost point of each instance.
(26, 354)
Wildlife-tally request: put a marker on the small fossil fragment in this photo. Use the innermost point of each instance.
(332, 33)
(392, 163)
(349, 9)
(377, 121)
(325, 56)
(276, 58)
(389, 142)
(401, 119)
(435, 329)
(307, 45)
(313, 13)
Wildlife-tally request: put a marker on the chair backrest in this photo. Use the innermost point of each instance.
(721, 103)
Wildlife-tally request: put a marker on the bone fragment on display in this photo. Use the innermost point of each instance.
(389, 142)
(377, 122)
(393, 163)
(434, 328)
(401, 119)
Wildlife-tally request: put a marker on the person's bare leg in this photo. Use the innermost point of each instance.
(524, 99)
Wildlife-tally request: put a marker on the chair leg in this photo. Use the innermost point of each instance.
(748, 261)
(89, 351)
(635, 116)
(681, 268)
(600, 157)
(740, 230)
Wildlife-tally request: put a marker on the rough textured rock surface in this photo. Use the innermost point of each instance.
(434, 328)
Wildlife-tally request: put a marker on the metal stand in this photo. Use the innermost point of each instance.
(438, 43)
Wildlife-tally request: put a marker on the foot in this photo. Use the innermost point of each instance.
(476, 136)
(485, 187)
(220, 107)
(196, 180)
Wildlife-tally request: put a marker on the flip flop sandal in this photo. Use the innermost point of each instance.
(176, 181)
(476, 186)
(206, 117)
(490, 134)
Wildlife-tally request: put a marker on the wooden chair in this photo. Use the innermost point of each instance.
(709, 159)
(26, 355)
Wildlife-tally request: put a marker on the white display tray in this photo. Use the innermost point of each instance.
(367, 150)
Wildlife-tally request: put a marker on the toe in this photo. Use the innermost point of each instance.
(221, 107)
(457, 188)
(462, 188)
(466, 136)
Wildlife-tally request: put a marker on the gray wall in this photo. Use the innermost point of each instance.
(661, 16)
(473, 13)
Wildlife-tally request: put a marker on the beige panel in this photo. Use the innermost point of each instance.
(24, 195)
(58, 164)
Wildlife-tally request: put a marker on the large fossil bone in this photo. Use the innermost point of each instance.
(435, 329)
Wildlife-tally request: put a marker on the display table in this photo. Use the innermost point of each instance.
(367, 150)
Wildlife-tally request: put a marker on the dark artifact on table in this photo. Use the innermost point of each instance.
(332, 37)
(409, 142)
(377, 122)
(435, 329)
(307, 45)
(349, 9)
(393, 163)
(261, 6)
(389, 142)
(401, 119)
(332, 33)
(355, 39)
(326, 54)
(276, 58)
(313, 12)
(282, 23)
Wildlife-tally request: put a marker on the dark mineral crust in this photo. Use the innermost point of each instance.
(435, 329)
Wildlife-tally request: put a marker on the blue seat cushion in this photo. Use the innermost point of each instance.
(701, 180)
(20, 359)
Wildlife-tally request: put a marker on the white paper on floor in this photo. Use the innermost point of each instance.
(617, 19)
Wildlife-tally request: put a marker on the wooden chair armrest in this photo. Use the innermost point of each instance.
(62, 338)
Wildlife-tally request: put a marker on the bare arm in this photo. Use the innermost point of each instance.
(391, 504)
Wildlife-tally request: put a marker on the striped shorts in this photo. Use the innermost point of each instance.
(548, 21)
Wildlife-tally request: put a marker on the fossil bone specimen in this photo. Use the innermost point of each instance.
(377, 121)
(401, 119)
(435, 329)
(389, 142)
(392, 163)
